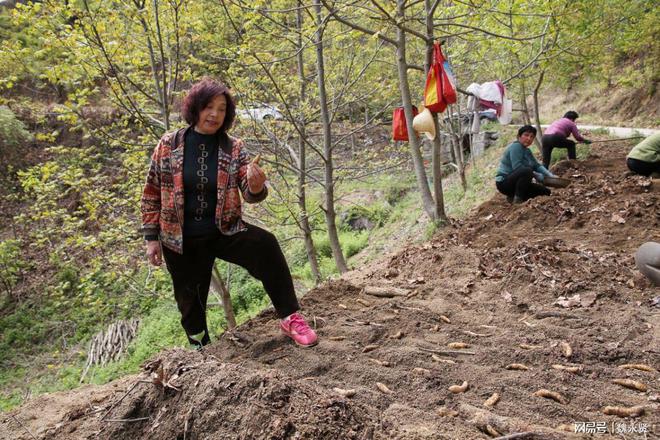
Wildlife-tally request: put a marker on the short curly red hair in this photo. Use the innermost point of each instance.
(198, 97)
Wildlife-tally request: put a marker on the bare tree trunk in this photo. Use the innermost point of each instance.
(165, 108)
(302, 157)
(330, 214)
(461, 161)
(457, 149)
(439, 205)
(428, 203)
(456, 145)
(537, 117)
(523, 101)
(418, 163)
(437, 173)
(154, 70)
(219, 286)
(526, 115)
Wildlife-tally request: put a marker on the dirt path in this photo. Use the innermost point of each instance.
(493, 283)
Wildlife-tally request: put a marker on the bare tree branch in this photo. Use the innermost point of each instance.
(355, 26)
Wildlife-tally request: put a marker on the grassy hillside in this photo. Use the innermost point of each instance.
(601, 105)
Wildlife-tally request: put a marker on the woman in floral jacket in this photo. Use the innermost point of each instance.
(191, 214)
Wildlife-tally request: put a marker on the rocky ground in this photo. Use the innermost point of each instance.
(512, 301)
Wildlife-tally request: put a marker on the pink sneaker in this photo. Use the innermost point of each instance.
(295, 327)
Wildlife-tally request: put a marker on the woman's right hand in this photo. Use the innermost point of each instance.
(154, 253)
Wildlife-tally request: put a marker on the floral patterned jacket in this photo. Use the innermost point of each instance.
(163, 195)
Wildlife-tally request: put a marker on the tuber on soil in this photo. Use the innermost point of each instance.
(642, 367)
(491, 431)
(458, 345)
(382, 387)
(634, 411)
(379, 362)
(437, 358)
(492, 400)
(343, 392)
(479, 335)
(632, 384)
(566, 349)
(459, 388)
(363, 302)
(517, 367)
(570, 369)
(551, 395)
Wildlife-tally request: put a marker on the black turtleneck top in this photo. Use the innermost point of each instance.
(200, 181)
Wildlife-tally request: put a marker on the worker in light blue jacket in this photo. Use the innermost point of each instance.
(517, 168)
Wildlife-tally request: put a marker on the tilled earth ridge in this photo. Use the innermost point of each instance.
(522, 284)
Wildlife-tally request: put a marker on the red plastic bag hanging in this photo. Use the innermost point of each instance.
(448, 80)
(433, 99)
(399, 126)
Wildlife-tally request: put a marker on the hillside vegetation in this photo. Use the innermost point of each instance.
(88, 87)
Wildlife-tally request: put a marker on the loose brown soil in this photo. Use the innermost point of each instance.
(491, 281)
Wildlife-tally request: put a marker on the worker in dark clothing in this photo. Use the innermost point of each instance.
(517, 168)
(556, 136)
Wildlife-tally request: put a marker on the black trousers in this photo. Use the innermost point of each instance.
(255, 249)
(551, 141)
(519, 183)
(641, 167)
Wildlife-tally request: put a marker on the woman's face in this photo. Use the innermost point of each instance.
(212, 116)
(526, 138)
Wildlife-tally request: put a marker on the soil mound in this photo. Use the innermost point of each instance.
(514, 300)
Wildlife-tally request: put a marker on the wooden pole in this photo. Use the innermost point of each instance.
(219, 286)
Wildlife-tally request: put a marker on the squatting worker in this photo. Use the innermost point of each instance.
(644, 158)
(556, 136)
(191, 214)
(517, 168)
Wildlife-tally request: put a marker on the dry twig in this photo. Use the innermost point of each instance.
(23, 426)
(385, 292)
(447, 352)
(139, 419)
(121, 399)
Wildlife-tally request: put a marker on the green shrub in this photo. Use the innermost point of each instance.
(396, 191)
(322, 244)
(11, 265)
(353, 242)
(376, 214)
(246, 293)
(14, 140)
(13, 133)
(19, 331)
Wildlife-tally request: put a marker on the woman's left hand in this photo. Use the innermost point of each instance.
(255, 176)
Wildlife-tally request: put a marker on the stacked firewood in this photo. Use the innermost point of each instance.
(109, 344)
